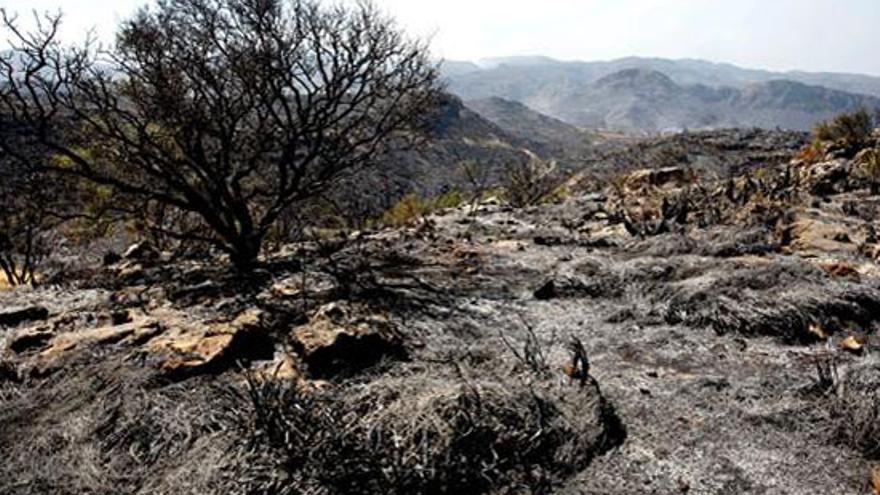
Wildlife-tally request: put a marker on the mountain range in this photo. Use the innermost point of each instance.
(660, 95)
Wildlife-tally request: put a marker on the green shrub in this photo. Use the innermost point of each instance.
(412, 206)
(850, 129)
(404, 211)
(450, 199)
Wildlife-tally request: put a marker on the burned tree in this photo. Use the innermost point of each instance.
(25, 220)
(232, 111)
(34, 203)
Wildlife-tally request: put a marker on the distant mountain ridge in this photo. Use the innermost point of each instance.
(651, 95)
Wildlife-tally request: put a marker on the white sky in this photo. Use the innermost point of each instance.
(815, 35)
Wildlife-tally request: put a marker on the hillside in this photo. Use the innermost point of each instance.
(459, 134)
(652, 95)
(667, 334)
(638, 100)
(552, 136)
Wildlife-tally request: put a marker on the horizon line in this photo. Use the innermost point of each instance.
(482, 62)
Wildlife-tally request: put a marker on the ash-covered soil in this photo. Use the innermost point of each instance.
(730, 351)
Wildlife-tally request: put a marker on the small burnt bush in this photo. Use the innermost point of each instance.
(423, 434)
(429, 435)
(111, 427)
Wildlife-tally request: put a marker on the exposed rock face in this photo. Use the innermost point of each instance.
(341, 338)
(815, 235)
(133, 332)
(29, 339)
(827, 177)
(662, 177)
(187, 349)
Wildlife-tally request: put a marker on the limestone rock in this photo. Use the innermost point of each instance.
(853, 344)
(816, 236)
(193, 348)
(134, 332)
(309, 286)
(826, 177)
(342, 338)
(662, 177)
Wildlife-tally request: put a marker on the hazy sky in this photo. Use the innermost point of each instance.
(815, 35)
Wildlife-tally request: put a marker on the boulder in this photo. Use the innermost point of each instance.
(587, 279)
(815, 236)
(610, 235)
(341, 338)
(660, 177)
(195, 348)
(827, 177)
(15, 317)
(854, 344)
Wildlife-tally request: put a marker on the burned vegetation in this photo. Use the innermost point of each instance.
(208, 299)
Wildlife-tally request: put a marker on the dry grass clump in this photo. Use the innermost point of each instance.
(856, 410)
(434, 435)
(782, 300)
(415, 432)
(109, 428)
(108, 425)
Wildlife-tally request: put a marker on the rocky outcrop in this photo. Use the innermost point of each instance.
(129, 334)
(816, 235)
(342, 338)
(662, 177)
(187, 349)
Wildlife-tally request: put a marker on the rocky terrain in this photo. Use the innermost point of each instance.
(674, 330)
(638, 95)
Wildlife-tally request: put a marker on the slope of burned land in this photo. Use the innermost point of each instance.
(728, 324)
